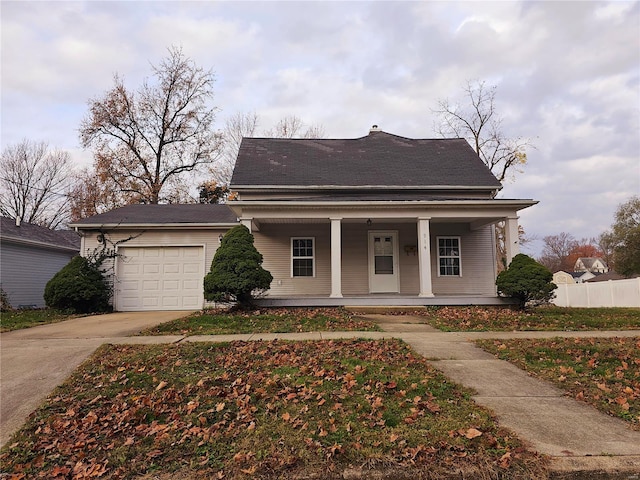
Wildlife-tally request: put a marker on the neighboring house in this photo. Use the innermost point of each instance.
(605, 277)
(380, 219)
(590, 264)
(29, 256)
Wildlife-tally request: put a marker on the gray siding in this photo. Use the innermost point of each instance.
(25, 270)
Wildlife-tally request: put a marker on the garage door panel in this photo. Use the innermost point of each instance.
(191, 284)
(150, 285)
(171, 268)
(192, 268)
(129, 285)
(171, 285)
(130, 268)
(160, 278)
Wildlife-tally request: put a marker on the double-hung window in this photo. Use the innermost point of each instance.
(449, 257)
(303, 257)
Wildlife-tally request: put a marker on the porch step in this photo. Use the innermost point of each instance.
(383, 308)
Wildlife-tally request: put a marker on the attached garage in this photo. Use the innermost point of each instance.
(159, 278)
(164, 252)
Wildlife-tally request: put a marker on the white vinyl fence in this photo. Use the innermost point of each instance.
(614, 293)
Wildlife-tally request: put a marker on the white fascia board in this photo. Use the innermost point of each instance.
(155, 226)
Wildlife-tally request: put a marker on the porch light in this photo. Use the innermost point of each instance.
(220, 237)
(369, 222)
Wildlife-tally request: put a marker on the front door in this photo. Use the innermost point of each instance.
(383, 262)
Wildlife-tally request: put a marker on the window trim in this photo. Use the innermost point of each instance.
(459, 256)
(312, 257)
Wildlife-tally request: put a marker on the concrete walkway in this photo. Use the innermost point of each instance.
(577, 437)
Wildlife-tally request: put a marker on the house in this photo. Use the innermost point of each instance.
(30, 256)
(590, 264)
(380, 219)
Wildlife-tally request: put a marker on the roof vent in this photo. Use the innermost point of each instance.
(374, 128)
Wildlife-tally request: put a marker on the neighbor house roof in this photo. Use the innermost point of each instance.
(130, 215)
(588, 262)
(29, 233)
(379, 159)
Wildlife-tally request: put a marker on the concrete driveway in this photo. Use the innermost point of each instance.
(35, 360)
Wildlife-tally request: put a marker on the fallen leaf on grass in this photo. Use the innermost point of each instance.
(472, 433)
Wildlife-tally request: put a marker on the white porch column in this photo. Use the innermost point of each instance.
(336, 258)
(424, 257)
(511, 238)
(247, 222)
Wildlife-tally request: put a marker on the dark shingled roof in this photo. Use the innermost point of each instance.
(161, 214)
(28, 232)
(379, 159)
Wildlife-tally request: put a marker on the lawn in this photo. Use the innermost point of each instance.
(263, 410)
(541, 318)
(275, 320)
(17, 319)
(602, 372)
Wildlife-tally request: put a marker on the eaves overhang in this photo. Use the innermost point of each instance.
(149, 226)
(301, 205)
(35, 243)
(304, 188)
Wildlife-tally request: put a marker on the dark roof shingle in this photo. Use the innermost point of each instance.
(28, 232)
(163, 214)
(379, 159)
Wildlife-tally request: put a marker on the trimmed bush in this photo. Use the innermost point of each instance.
(526, 280)
(5, 305)
(78, 286)
(236, 271)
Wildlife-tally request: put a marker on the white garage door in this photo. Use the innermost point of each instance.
(159, 278)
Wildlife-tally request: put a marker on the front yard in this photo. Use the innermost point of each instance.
(469, 319)
(17, 319)
(603, 372)
(264, 410)
(268, 320)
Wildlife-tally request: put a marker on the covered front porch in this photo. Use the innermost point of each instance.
(379, 253)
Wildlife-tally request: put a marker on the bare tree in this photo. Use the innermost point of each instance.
(34, 182)
(93, 194)
(292, 126)
(556, 254)
(144, 141)
(477, 121)
(245, 124)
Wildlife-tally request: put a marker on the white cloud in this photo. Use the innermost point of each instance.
(568, 76)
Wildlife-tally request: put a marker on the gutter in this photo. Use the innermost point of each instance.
(124, 226)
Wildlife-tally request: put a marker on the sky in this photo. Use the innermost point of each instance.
(567, 76)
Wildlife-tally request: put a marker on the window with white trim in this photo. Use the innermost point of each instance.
(449, 257)
(302, 257)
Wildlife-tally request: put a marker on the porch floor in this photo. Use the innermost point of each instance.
(381, 300)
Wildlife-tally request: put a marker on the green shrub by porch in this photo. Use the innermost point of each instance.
(78, 286)
(526, 280)
(236, 271)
